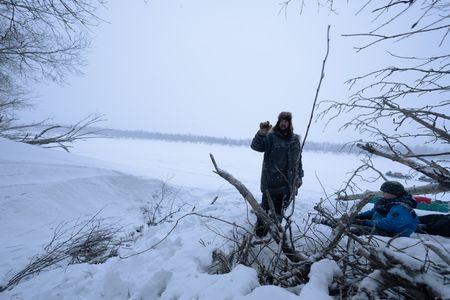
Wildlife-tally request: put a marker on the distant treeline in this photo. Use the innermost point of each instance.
(189, 138)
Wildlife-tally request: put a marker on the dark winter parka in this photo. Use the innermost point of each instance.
(282, 164)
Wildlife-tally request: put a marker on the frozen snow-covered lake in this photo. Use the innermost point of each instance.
(188, 164)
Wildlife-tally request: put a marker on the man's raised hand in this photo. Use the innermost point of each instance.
(264, 127)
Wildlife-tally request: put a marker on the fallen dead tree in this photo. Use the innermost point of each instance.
(433, 188)
(367, 266)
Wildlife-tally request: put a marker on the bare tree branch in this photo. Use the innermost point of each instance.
(54, 135)
(322, 76)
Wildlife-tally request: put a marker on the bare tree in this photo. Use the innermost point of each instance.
(407, 103)
(40, 40)
(44, 37)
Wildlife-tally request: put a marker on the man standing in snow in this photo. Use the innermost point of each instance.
(393, 214)
(282, 170)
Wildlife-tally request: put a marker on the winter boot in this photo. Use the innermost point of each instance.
(260, 229)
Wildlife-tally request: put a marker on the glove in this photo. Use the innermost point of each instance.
(358, 221)
(323, 221)
(264, 127)
(367, 223)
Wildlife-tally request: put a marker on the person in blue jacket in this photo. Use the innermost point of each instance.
(393, 214)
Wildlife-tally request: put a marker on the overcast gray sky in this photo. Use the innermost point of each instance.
(211, 67)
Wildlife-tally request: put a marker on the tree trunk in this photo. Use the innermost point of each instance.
(433, 188)
(274, 228)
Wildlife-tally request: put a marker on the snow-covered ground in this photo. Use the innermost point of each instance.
(121, 179)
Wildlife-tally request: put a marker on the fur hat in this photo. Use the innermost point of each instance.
(285, 115)
(393, 188)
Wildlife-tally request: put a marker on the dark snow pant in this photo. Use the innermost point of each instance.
(435, 224)
(279, 202)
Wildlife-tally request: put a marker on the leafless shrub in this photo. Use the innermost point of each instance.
(90, 241)
(163, 206)
(221, 263)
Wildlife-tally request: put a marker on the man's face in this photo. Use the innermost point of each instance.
(389, 196)
(284, 124)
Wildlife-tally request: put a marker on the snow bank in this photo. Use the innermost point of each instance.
(42, 188)
(320, 278)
